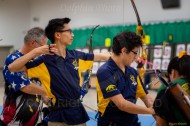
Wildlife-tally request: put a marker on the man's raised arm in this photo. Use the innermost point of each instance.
(19, 64)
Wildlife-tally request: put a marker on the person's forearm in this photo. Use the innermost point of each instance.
(148, 100)
(130, 107)
(135, 109)
(101, 56)
(34, 89)
(19, 64)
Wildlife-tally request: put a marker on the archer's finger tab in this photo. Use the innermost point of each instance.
(50, 49)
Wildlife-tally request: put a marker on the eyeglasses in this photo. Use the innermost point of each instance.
(38, 43)
(134, 52)
(68, 30)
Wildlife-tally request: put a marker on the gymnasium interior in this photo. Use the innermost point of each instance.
(166, 25)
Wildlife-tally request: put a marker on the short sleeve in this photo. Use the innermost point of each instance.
(107, 83)
(85, 56)
(17, 80)
(36, 62)
(85, 60)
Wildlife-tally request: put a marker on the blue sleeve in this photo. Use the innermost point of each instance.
(36, 62)
(107, 83)
(17, 80)
(84, 56)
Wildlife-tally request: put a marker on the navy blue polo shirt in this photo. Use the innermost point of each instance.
(112, 81)
(61, 77)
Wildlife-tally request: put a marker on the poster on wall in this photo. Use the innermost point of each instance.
(188, 49)
(157, 51)
(179, 47)
(95, 67)
(167, 52)
(157, 63)
(165, 63)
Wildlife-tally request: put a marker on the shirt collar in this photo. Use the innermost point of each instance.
(17, 51)
(180, 81)
(68, 55)
(114, 65)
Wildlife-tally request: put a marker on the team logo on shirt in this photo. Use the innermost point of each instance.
(111, 88)
(133, 80)
(186, 87)
(75, 64)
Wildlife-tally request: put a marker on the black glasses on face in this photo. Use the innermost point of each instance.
(68, 30)
(134, 52)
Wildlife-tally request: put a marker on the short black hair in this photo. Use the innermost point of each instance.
(181, 65)
(126, 39)
(55, 25)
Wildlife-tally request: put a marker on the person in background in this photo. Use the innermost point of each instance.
(119, 85)
(60, 74)
(178, 72)
(22, 95)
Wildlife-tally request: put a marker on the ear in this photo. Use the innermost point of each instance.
(32, 42)
(57, 35)
(123, 50)
(173, 73)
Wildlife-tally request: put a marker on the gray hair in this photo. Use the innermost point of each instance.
(35, 33)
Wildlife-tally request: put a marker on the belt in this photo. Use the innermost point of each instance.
(65, 104)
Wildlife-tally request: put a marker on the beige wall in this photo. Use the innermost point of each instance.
(14, 21)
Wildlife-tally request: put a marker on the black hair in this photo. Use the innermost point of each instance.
(126, 39)
(55, 25)
(182, 65)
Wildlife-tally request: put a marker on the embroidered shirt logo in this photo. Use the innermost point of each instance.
(111, 88)
(75, 64)
(133, 80)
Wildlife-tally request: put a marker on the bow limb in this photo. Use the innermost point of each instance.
(91, 37)
(86, 85)
(140, 32)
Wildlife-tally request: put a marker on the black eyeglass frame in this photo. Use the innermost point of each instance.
(38, 43)
(68, 30)
(134, 52)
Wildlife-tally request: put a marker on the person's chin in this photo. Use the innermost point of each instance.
(68, 44)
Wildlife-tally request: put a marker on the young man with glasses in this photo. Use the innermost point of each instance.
(60, 74)
(119, 85)
(22, 98)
